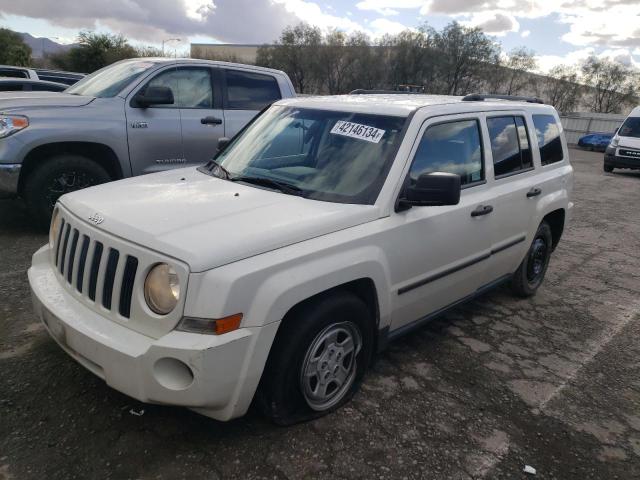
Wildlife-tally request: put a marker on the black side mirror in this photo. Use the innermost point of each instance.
(222, 143)
(154, 96)
(432, 189)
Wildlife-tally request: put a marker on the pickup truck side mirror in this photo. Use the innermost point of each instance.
(154, 96)
(432, 189)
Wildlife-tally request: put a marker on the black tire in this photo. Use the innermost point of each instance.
(608, 168)
(530, 273)
(55, 177)
(281, 395)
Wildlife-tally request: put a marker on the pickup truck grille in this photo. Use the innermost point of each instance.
(100, 273)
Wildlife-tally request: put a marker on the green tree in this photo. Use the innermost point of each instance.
(14, 51)
(520, 62)
(612, 84)
(295, 52)
(94, 51)
(561, 88)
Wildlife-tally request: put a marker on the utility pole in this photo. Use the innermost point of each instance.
(167, 41)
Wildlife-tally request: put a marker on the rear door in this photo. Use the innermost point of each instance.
(245, 94)
(515, 189)
(154, 133)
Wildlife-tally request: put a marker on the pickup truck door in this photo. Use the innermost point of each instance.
(201, 114)
(516, 189)
(438, 255)
(153, 133)
(245, 94)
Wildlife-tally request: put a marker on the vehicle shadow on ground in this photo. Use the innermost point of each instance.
(15, 220)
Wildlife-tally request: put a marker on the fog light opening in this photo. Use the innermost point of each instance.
(173, 374)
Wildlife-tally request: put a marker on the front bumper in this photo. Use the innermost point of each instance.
(9, 174)
(611, 159)
(214, 375)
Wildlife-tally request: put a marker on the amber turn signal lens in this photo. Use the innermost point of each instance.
(228, 324)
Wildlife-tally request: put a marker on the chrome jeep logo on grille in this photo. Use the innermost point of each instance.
(96, 218)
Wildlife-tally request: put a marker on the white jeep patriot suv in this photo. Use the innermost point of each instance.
(324, 229)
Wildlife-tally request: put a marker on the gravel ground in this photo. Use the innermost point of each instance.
(500, 383)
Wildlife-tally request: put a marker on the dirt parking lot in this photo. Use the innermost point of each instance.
(552, 382)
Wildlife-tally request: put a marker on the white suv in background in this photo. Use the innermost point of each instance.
(624, 149)
(326, 228)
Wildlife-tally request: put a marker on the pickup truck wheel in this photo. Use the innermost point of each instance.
(608, 168)
(530, 273)
(318, 360)
(55, 177)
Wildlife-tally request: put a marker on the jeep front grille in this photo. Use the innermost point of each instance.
(99, 273)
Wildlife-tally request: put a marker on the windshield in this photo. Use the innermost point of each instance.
(109, 81)
(324, 155)
(630, 127)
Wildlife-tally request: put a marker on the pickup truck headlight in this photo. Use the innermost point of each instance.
(162, 289)
(614, 141)
(10, 124)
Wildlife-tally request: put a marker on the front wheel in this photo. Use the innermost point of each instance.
(318, 359)
(55, 177)
(530, 273)
(608, 168)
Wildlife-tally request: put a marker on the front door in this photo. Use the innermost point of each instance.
(439, 254)
(202, 117)
(154, 136)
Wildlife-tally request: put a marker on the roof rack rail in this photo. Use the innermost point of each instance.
(362, 91)
(480, 97)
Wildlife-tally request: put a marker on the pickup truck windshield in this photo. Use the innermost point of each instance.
(109, 81)
(323, 155)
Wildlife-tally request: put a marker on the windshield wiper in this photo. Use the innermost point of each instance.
(284, 187)
(217, 170)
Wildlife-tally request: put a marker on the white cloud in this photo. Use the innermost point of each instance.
(389, 7)
(577, 57)
(525, 33)
(380, 26)
(493, 23)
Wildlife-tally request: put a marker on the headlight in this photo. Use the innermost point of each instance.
(10, 124)
(614, 141)
(55, 227)
(162, 289)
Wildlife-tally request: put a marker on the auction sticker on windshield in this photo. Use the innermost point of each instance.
(357, 130)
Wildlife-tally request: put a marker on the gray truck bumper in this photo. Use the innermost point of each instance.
(9, 173)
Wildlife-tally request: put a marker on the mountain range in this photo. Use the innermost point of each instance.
(41, 44)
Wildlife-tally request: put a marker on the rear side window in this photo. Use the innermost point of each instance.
(452, 147)
(509, 145)
(11, 87)
(549, 142)
(630, 127)
(250, 91)
(9, 72)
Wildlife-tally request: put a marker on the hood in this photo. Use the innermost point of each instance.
(21, 100)
(208, 222)
(629, 142)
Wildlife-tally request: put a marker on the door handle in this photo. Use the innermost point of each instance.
(482, 210)
(534, 192)
(211, 121)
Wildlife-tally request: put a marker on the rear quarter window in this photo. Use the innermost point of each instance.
(549, 142)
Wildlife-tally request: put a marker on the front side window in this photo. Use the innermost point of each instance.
(452, 147)
(11, 73)
(11, 87)
(509, 145)
(549, 141)
(250, 91)
(191, 87)
(323, 155)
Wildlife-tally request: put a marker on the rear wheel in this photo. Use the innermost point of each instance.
(55, 177)
(318, 360)
(531, 272)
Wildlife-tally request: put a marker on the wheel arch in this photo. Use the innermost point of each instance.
(555, 219)
(98, 152)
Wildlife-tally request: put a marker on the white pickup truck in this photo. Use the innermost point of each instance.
(328, 227)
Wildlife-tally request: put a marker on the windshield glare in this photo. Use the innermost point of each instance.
(630, 127)
(332, 156)
(109, 81)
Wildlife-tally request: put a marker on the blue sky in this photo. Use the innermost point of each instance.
(559, 31)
